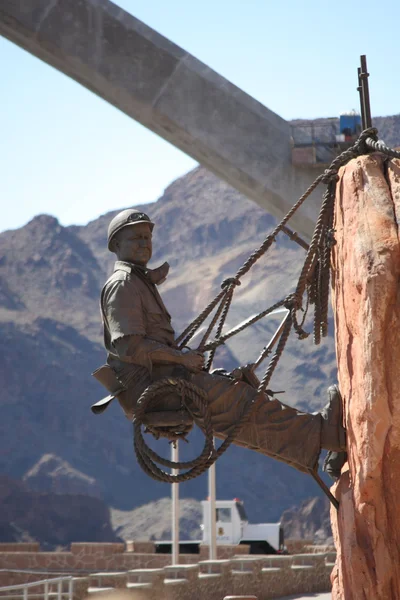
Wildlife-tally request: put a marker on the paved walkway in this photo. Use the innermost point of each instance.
(326, 596)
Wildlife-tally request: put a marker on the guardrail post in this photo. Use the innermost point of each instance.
(50, 587)
(70, 589)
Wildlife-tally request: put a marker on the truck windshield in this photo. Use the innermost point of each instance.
(241, 511)
(224, 515)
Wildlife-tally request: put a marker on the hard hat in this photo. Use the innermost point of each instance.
(126, 218)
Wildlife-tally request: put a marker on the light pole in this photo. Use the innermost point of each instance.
(175, 506)
(212, 514)
(212, 470)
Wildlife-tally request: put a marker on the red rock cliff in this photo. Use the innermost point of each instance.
(366, 303)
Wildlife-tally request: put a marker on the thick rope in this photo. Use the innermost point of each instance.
(191, 329)
(226, 307)
(147, 458)
(277, 355)
(380, 146)
(219, 312)
(229, 334)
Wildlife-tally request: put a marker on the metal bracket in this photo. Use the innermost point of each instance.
(325, 489)
(294, 236)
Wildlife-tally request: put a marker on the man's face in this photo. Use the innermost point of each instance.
(133, 244)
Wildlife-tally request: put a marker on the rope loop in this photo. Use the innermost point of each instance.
(191, 396)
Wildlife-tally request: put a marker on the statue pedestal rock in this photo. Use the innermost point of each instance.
(366, 302)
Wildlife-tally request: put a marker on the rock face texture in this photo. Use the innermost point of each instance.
(367, 311)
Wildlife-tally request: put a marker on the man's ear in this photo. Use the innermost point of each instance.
(114, 245)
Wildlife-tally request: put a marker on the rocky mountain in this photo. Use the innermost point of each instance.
(153, 521)
(310, 520)
(52, 519)
(50, 280)
(52, 474)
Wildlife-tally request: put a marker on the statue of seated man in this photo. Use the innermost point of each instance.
(139, 340)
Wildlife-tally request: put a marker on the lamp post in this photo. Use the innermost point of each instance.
(212, 469)
(175, 506)
(212, 513)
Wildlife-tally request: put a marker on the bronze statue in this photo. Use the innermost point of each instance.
(139, 340)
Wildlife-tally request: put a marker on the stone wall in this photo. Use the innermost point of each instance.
(266, 577)
(83, 558)
(19, 547)
(99, 566)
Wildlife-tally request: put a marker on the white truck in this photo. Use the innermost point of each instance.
(233, 528)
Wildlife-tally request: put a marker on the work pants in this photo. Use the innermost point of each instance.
(274, 428)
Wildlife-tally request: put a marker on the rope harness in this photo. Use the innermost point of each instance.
(312, 289)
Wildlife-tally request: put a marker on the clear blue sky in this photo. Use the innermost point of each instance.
(65, 152)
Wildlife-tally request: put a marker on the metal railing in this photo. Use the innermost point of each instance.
(60, 588)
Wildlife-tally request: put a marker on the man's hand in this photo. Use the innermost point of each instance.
(193, 361)
(143, 351)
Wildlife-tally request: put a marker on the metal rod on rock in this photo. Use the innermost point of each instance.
(359, 90)
(365, 91)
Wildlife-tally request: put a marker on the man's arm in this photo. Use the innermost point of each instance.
(123, 313)
(141, 350)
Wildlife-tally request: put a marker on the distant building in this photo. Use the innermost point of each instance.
(317, 143)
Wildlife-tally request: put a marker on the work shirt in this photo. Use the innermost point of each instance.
(132, 306)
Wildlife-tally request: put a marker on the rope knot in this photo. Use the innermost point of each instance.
(371, 132)
(292, 302)
(330, 175)
(361, 146)
(230, 281)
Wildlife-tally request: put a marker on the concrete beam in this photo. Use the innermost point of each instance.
(152, 80)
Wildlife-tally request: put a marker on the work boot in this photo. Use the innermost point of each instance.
(333, 464)
(333, 434)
